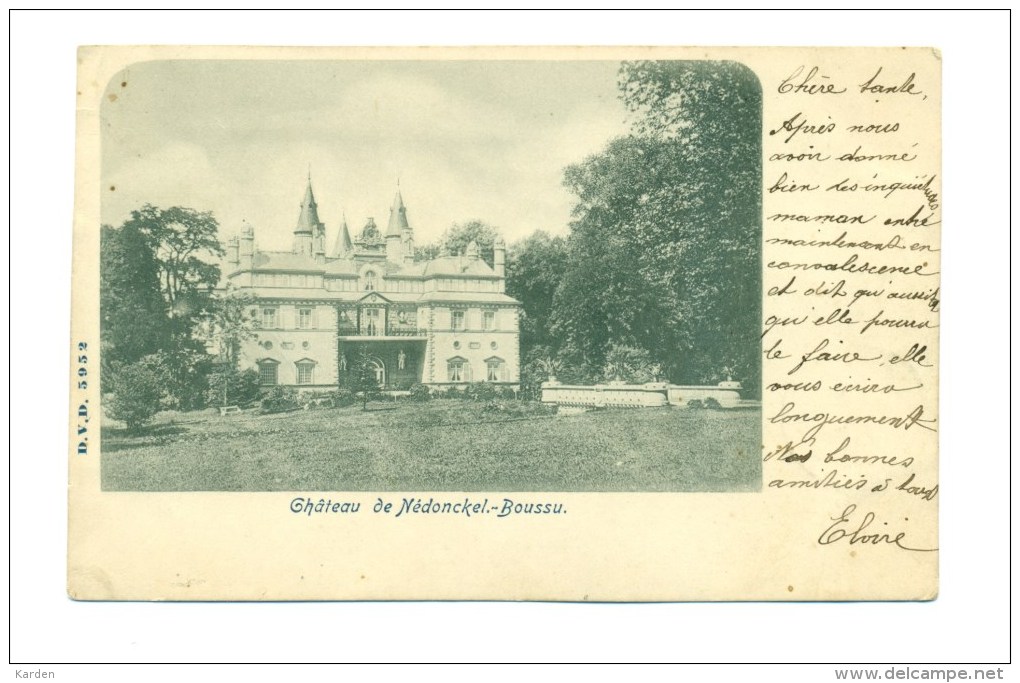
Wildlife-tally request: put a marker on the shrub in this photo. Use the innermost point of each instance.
(447, 392)
(630, 364)
(480, 391)
(137, 390)
(712, 404)
(506, 393)
(696, 404)
(242, 388)
(278, 400)
(183, 377)
(419, 392)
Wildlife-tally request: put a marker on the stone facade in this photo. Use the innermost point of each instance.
(440, 322)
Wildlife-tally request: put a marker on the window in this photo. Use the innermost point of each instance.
(457, 320)
(270, 318)
(457, 370)
(304, 318)
(370, 282)
(267, 373)
(494, 370)
(488, 320)
(371, 324)
(305, 372)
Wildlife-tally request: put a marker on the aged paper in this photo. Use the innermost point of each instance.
(806, 473)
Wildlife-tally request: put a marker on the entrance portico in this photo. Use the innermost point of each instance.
(397, 361)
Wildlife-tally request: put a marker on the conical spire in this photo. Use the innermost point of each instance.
(308, 221)
(398, 217)
(343, 246)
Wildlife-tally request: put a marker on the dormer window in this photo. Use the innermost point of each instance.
(370, 281)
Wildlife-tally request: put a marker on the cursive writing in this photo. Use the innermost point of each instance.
(845, 528)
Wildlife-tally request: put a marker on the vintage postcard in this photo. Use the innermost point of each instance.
(579, 324)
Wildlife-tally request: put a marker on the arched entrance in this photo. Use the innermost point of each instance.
(380, 371)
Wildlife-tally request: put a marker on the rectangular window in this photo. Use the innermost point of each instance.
(270, 319)
(494, 370)
(455, 371)
(371, 323)
(267, 373)
(304, 373)
(304, 318)
(488, 320)
(457, 320)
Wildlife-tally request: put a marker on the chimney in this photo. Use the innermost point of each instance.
(408, 241)
(232, 252)
(246, 250)
(499, 257)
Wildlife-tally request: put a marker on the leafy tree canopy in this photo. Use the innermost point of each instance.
(458, 236)
(535, 267)
(185, 245)
(132, 312)
(664, 252)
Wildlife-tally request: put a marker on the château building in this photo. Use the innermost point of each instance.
(442, 322)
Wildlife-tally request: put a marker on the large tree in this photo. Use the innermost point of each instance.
(534, 268)
(665, 241)
(132, 313)
(185, 245)
(157, 274)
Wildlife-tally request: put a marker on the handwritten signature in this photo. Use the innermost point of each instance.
(845, 528)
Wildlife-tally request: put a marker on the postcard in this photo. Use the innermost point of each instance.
(571, 324)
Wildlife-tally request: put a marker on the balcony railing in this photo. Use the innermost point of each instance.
(368, 330)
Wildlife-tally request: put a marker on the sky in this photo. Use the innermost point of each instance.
(465, 139)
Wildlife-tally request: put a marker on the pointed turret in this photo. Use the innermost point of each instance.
(397, 230)
(308, 222)
(343, 247)
(398, 217)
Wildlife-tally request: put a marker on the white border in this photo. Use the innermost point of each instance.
(969, 621)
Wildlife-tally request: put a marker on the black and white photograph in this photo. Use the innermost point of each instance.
(431, 275)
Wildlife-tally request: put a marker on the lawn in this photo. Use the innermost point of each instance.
(444, 445)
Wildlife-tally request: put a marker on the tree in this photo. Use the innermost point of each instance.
(708, 116)
(132, 314)
(458, 236)
(136, 394)
(229, 386)
(228, 322)
(664, 252)
(184, 244)
(363, 379)
(534, 268)
(183, 373)
(629, 364)
(157, 274)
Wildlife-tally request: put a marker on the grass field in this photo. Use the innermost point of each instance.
(439, 446)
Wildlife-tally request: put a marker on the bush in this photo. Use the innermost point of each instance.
(506, 393)
(278, 400)
(183, 377)
(480, 391)
(242, 387)
(419, 392)
(446, 392)
(712, 404)
(137, 390)
(696, 404)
